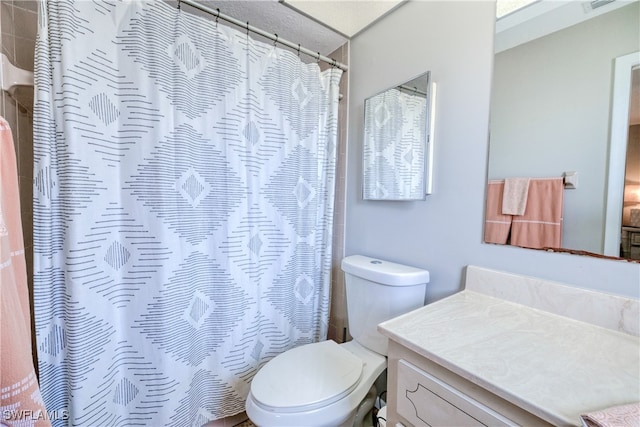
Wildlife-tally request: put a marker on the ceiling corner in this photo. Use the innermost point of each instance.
(347, 17)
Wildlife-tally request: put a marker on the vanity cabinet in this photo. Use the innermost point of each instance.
(422, 393)
(512, 350)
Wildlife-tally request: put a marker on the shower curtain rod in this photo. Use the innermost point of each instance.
(263, 33)
(412, 89)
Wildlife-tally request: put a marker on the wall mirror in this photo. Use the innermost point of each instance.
(398, 141)
(553, 110)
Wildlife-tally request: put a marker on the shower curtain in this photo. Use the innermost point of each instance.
(184, 185)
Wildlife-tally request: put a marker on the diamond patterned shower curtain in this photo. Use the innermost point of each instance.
(394, 147)
(184, 185)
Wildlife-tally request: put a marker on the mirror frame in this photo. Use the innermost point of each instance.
(619, 135)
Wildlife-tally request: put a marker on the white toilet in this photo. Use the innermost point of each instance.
(324, 384)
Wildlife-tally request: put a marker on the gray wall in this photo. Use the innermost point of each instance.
(454, 40)
(550, 113)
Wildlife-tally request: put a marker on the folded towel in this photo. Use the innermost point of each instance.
(514, 199)
(617, 416)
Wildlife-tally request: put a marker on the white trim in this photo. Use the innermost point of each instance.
(545, 17)
(620, 102)
(431, 139)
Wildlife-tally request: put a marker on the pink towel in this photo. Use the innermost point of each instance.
(20, 399)
(541, 224)
(497, 225)
(617, 416)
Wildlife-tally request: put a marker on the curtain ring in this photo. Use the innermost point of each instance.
(275, 41)
(217, 17)
(298, 50)
(318, 58)
(333, 64)
(178, 4)
(247, 28)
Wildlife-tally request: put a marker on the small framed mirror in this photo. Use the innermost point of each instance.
(398, 141)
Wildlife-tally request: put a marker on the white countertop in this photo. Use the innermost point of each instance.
(552, 366)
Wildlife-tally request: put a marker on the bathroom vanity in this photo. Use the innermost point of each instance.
(512, 350)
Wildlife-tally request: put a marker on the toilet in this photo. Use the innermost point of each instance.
(330, 384)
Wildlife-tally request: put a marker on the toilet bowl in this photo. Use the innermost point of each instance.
(325, 383)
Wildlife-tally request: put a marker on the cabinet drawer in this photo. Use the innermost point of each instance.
(424, 400)
(635, 238)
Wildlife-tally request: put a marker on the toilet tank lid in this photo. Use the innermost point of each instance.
(384, 272)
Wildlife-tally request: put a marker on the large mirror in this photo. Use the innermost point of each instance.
(552, 113)
(398, 143)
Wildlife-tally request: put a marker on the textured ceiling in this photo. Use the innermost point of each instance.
(276, 18)
(346, 16)
(319, 25)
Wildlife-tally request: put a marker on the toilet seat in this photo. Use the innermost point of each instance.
(307, 377)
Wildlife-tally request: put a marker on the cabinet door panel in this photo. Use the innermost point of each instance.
(424, 400)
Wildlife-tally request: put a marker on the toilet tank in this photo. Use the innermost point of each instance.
(379, 290)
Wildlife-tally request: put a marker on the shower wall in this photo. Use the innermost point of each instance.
(18, 25)
(338, 314)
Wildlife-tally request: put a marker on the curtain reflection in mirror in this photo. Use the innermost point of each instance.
(395, 142)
